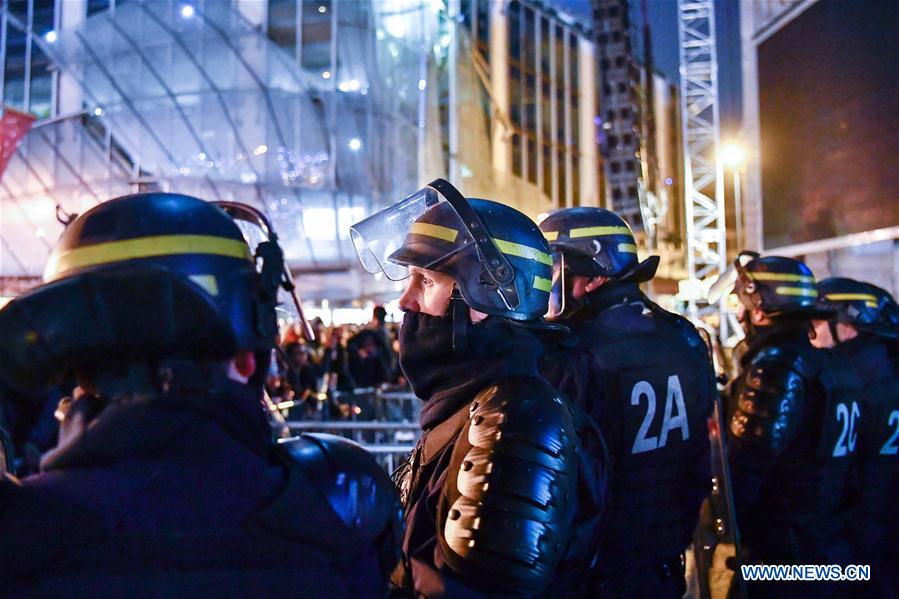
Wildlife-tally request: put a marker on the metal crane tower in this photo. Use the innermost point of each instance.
(704, 175)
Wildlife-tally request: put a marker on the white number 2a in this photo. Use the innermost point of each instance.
(675, 416)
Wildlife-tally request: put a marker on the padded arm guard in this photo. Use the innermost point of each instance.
(770, 400)
(356, 503)
(507, 507)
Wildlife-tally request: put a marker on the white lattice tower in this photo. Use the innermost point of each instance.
(703, 171)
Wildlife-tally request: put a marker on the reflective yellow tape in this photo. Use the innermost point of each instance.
(207, 282)
(848, 297)
(630, 248)
(551, 235)
(803, 291)
(437, 231)
(598, 231)
(523, 251)
(780, 276)
(543, 284)
(871, 304)
(146, 247)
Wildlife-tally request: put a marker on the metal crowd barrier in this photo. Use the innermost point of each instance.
(383, 422)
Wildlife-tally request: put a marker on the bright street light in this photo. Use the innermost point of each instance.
(733, 155)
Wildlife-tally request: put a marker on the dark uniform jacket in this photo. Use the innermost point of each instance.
(494, 491)
(870, 391)
(645, 377)
(791, 451)
(186, 495)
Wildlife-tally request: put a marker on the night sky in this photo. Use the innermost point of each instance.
(663, 27)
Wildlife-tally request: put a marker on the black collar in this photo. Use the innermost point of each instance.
(611, 294)
(144, 425)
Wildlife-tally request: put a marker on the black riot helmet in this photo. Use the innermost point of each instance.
(496, 255)
(591, 242)
(775, 285)
(866, 307)
(147, 277)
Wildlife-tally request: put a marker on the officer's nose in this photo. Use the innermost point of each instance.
(409, 300)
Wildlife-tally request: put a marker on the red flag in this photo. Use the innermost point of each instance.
(13, 127)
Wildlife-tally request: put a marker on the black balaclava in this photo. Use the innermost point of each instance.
(446, 379)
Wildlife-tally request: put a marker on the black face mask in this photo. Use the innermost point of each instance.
(446, 379)
(426, 345)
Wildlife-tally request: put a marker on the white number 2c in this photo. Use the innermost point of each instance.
(848, 436)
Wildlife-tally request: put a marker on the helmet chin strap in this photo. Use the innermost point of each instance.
(458, 310)
(832, 325)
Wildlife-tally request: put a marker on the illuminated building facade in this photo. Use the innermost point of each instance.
(319, 112)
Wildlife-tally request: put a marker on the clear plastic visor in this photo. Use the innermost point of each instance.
(726, 282)
(723, 285)
(421, 230)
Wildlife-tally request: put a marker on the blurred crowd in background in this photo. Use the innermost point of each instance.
(335, 376)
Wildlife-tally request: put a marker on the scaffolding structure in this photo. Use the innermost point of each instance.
(704, 174)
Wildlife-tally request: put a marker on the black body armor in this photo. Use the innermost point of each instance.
(874, 394)
(503, 476)
(793, 449)
(644, 376)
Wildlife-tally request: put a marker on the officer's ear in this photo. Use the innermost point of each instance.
(242, 366)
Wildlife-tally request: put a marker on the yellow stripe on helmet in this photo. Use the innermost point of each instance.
(523, 251)
(780, 276)
(543, 284)
(629, 248)
(598, 232)
(436, 231)
(551, 235)
(145, 247)
(803, 291)
(848, 297)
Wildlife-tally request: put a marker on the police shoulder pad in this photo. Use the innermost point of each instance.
(771, 397)
(504, 518)
(337, 497)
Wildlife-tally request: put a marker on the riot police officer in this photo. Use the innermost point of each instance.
(492, 487)
(861, 333)
(166, 479)
(645, 377)
(791, 468)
